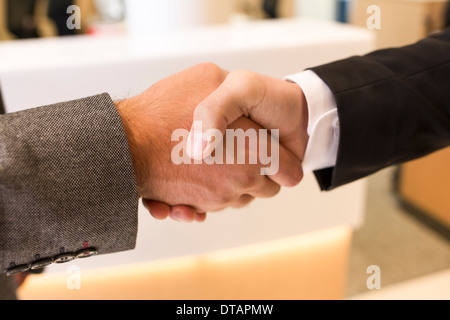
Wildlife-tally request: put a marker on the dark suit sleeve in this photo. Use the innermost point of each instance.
(393, 106)
(66, 182)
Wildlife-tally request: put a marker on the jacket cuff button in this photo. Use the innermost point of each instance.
(64, 257)
(40, 264)
(86, 253)
(17, 269)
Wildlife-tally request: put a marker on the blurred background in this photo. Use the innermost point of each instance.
(405, 21)
(398, 219)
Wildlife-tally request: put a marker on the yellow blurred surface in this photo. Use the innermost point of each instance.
(425, 183)
(311, 266)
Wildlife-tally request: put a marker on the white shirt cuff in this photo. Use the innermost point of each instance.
(323, 124)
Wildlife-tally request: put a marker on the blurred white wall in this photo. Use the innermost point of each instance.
(156, 15)
(319, 9)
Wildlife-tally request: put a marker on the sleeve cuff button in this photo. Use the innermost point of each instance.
(41, 263)
(64, 257)
(18, 269)
(86, 253)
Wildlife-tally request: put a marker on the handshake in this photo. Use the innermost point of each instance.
(205, 139)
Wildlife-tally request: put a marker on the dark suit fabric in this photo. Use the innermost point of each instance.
(393, 106)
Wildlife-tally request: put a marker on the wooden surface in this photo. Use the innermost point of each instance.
(403, 22)
(425, 183)
(5, 34)
(312, 266)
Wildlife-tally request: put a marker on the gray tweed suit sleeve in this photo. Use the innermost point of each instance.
(7, 288)
(66, 182)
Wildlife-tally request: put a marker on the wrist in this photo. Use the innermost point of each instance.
(123, 108)
(302, 111)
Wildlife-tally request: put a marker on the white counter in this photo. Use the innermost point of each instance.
(38, 72)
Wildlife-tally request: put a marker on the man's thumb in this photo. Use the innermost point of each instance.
(211, 119)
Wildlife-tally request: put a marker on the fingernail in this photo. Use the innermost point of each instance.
(200, 144)
(178, 216)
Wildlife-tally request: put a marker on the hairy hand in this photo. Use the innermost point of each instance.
(188, 191)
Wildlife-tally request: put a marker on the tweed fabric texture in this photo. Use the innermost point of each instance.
(7, 288)
(66, 181)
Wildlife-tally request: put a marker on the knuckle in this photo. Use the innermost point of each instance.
(243, 75)
(243, 201)
(248, 182)
(275, 191)
(248, 83)
(222, 198)
(244, 78)
(208, 66)
(295, 177)
(213, 72)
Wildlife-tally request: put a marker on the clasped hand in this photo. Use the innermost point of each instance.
(221, 102)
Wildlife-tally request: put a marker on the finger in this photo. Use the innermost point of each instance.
(267, 188)
(243, 201)
(270, 102)
(200, 217)
(158, 210)
(282, 167)
(274, 161)
(223, 107)
(183, 214)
